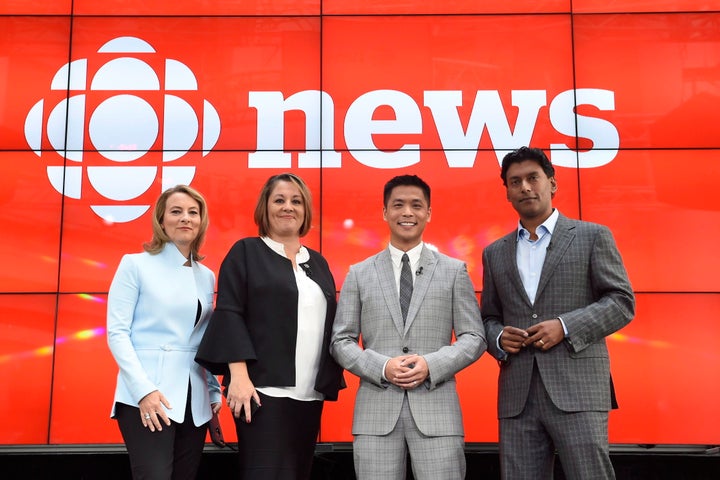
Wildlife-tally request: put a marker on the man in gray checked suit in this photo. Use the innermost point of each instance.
(407, 399)
(552, 291)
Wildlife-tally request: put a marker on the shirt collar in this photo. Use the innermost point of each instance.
(414, 254)
(548, 226)
(277, 247)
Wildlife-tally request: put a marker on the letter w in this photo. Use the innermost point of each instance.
(460, 146)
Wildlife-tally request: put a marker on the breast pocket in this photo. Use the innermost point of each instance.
(439, 292)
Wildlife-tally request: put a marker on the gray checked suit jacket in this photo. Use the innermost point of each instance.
(443, 302)
(584, 282)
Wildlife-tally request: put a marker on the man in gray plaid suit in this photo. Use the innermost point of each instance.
(407, 399)
(552, 291)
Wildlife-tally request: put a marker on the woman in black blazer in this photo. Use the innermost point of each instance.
(269, 336)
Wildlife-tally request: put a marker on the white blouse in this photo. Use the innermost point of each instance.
(311, 309)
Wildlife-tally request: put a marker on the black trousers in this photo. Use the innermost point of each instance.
(279, 444)
(171, 454)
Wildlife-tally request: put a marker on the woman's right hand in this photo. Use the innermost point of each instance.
(240, 391)
(152, 414)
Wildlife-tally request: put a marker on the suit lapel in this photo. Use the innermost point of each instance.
(562, 237)
(509, 259)
(384, 268)
(426, 265)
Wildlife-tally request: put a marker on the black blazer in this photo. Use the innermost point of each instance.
(255, 319)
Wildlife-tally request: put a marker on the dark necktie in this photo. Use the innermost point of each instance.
(406, 286)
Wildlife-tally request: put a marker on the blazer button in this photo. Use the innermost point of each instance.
(534, 315)
(406, 349)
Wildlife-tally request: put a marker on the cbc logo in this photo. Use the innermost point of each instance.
(119, 99)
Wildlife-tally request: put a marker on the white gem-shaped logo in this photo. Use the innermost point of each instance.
(122, 104)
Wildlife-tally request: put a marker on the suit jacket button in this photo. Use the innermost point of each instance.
(534, 315)
(406, 349)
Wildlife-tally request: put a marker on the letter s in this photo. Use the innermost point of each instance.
(603, 134)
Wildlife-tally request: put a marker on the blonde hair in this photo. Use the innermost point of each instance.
(160, 238)
(261, 215)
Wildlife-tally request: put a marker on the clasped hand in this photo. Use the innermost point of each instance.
(543, 336)
(407, 371)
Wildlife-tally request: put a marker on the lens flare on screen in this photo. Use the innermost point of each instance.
(351, 234)
(92, 298)
(87, 261)
(42, 351)
(619, 337)
(87, 334)
(48, 349)
(463, 247)
(94, 263)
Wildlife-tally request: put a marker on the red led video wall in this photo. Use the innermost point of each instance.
(103, 104)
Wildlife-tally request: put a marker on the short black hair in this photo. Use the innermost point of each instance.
(402, 181)
(526, 153)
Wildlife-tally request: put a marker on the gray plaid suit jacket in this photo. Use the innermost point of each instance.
(443, 301)
(584, 282)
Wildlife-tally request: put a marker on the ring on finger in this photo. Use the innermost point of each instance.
(147, 416)
(541, 342)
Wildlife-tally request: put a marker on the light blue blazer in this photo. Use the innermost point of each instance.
(151, 330)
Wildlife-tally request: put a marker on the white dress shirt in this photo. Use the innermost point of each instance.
(312, 306)
(531, 258)
(396, 257)
(531, 253)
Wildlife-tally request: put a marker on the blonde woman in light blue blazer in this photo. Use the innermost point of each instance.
(158, 307)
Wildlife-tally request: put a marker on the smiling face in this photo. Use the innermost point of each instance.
(530, 191)
(181, 221)
(285, 211)
(407, 212)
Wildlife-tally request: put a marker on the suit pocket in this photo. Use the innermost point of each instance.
(593, 351)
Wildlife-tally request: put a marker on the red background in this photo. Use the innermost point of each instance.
(659, 59)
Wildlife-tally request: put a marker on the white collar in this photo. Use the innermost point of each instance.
(302, 256)
(414, 254)
(548, 224)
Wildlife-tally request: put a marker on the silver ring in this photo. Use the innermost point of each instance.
(147, 416)
(415, 382)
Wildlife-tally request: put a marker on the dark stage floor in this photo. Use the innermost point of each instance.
(335, 462)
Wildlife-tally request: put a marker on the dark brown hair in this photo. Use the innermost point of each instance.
(261, 215)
